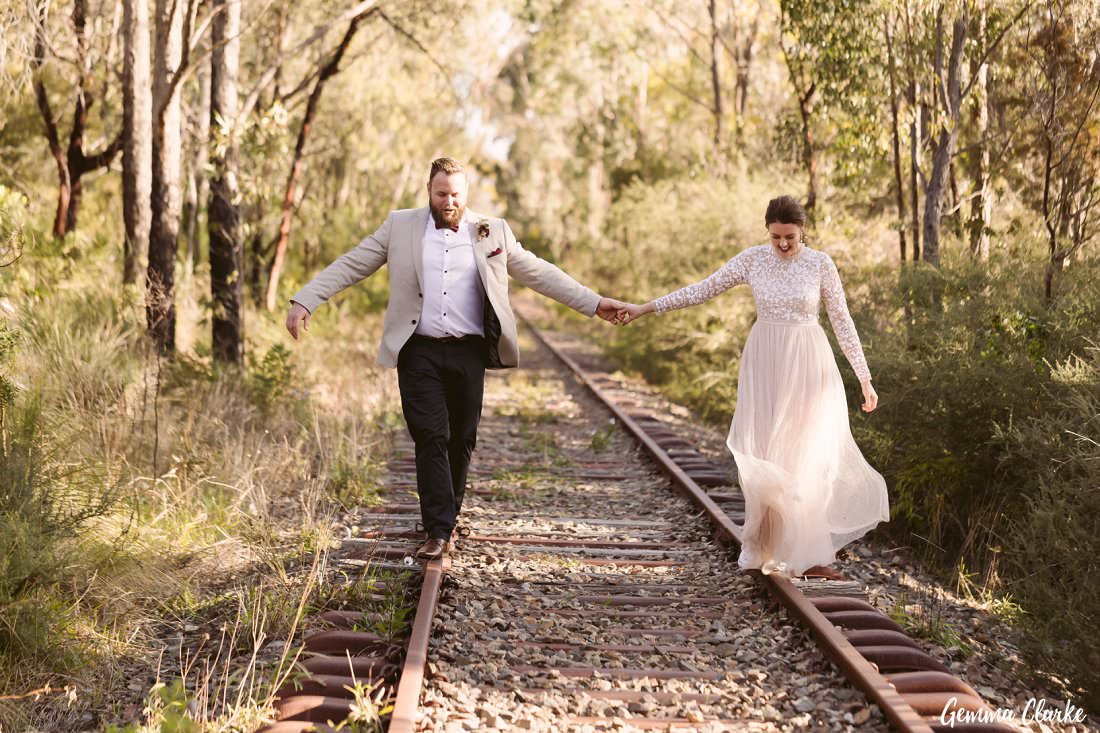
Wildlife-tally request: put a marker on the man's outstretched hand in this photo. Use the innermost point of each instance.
(609, 308)
(298, 316)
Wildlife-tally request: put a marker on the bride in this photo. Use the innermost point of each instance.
(808, 490)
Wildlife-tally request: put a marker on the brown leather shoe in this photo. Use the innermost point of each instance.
(824, 571)
(432, 549)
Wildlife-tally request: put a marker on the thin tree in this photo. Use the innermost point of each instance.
(805, 89)
(223, 213)
(330, 68)
(715, 76)
(950, 93)
(899, 188)
(137, 151)
(981, 205)
(73, 163)
(165, 197)
(742, 53)
(1066, 93)
(916, 130)
(198, 188)
(829, 47)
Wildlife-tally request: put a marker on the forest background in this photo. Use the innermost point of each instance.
(173, 171)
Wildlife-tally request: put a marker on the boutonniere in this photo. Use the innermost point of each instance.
(482, 229)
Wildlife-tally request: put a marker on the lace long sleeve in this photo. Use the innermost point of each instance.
(734, 272)
(832, 292)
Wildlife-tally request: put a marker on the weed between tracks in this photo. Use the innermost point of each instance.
(928, 621)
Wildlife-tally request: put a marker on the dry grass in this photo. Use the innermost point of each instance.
(218, 492)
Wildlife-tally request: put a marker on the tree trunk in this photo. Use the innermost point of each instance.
(223, 214)
(955, 216)
(165, 190)
(281, 28)
(137, 103)
(944, 145)
(598, 200)
(76, 174)
(981, 207)
(257, 267)
(197, 186)
(809, 152)
(1049, 206)
(949, 91)
(398, 188)
(916, 130)
(895, 139)
(330, 68)
(744, 67)
(715, 78)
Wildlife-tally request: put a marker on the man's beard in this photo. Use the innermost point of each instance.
(443, 219)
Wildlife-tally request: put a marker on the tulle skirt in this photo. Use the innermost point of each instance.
(808, 490)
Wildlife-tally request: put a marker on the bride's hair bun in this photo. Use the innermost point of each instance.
(785, 210)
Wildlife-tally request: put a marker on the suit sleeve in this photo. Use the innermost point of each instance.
(349, 268)
(546, 278)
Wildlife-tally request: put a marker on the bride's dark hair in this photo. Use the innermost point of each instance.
(785, 210)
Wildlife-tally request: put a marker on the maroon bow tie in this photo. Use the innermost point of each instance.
(446, 226)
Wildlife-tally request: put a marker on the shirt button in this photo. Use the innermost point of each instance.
(414, 321)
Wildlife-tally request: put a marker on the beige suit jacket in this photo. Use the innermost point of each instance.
(398, 243)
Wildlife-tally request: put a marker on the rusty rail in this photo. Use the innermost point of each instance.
(416, 657)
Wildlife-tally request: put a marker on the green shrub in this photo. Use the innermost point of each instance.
(7, 386)
(1052, 543)
(270, 380)
(960, 355)
(15, 233)
(44, 504)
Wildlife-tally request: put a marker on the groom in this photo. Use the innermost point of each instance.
(447, 321)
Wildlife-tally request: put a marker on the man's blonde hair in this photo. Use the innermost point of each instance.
(445, 165)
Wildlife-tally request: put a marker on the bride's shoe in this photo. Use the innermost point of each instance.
(748, 559)
(771, 567)
(823, 571)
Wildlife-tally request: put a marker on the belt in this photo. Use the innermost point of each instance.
(448, 339)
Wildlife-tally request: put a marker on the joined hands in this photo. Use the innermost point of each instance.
(620, 313)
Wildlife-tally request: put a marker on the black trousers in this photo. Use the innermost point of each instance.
(442, 384)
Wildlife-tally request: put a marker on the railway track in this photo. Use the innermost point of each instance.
(596, 588)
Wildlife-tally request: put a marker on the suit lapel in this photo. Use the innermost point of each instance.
(419, 227)
(481, 247)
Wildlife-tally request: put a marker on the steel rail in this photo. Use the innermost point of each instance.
(407, 700)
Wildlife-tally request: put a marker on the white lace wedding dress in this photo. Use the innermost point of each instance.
(808, 490)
